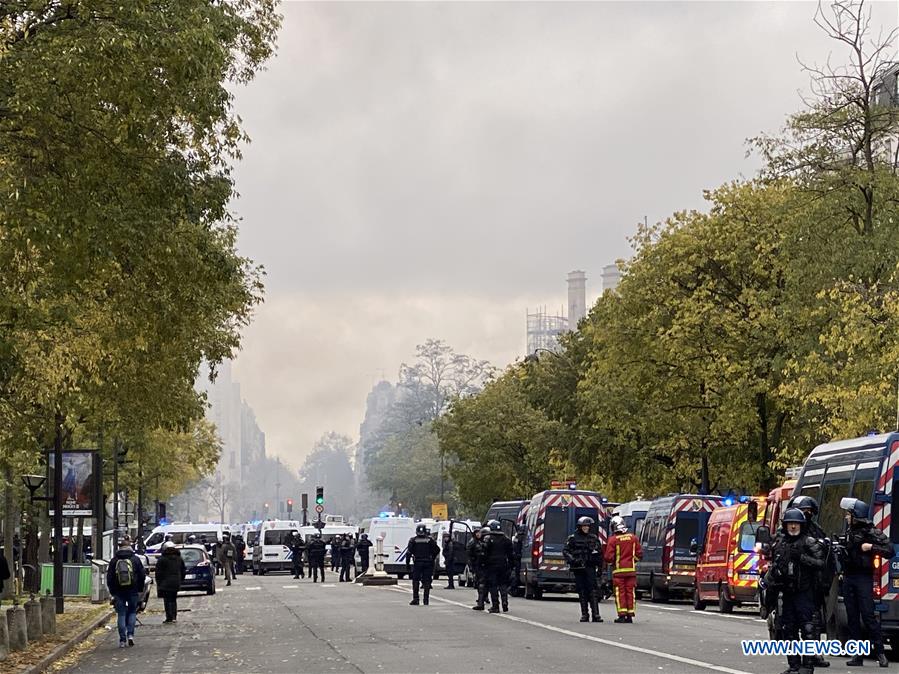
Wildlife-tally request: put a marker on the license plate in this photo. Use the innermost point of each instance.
(746, 576)
(896, 583)
(190, 576)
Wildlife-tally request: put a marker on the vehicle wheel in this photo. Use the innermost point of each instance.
(401, 576)
(516, 591)
(532, 591)
(725, 605)
(698, 604)
(656, 594)
(893, 653)
(638, 594)
(211, 589)
(255, 572)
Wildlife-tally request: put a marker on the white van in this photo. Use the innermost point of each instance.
(396, 532)
(179, 533)
(272, 549)
(462, 530)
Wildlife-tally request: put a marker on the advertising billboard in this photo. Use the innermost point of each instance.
(80, 482)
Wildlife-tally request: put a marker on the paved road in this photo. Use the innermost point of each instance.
(275, 625)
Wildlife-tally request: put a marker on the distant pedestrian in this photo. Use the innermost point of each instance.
(363, 547)
(226, 555)
(421, 553)
(4, 571)
(347, 559)
(448, 562)
(241, 549)
(170, 571)
(125, 579)
(316, 553)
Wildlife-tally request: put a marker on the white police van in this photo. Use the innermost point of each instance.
(179, 532)
(272, 549)
(396, 532)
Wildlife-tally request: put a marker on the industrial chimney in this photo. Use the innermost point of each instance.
(577, 298)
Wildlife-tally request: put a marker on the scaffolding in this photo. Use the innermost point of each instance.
(544, 330)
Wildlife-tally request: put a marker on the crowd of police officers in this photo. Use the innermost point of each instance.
(798, 589)
(343, 552)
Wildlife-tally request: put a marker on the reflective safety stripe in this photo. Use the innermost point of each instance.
(625, 570)
(618, 605)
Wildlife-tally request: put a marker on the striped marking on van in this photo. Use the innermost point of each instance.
(695, 504)
(883, 516)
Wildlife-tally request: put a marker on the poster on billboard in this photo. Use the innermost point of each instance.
(80, 482)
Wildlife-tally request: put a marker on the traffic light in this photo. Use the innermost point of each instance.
(289, 506)
(120, 454)
(319, 496)
(304, 499)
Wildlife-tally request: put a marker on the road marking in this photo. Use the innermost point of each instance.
(252, 588)
(291, 587)
(328, 585)
(665, 608)
(598, 640)
(699, 614)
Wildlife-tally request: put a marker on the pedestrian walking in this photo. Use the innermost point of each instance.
(477, 562)
(170, 571)
(796, 559)
(125, 579)
(226, 554)
(363, 547)
(315, 551)
(421, 554)
(622, 552)
(347, 559)
(448, 562)
(297, 549)
(498, 564)
(863, 542)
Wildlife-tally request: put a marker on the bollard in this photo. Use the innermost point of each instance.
(48, 615)
(4, 636)
(18, 629)
(33, 620)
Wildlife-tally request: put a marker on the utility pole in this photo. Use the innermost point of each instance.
(140, 508)
(57, 516)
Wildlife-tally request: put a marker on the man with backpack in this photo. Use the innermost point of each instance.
(125, 578)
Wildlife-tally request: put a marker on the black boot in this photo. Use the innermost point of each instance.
(584, 606)
(621, 619)
(477, 607)
(855, 661)
(493, 609)
(414, 601)
(882, 659)
(427, 596)
(594, 608)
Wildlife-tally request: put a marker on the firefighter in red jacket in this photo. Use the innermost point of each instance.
(622, 552)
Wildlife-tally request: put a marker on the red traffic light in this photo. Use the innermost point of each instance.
(290, 501)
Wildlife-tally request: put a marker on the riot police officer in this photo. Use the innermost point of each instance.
(363, 547)
(824, 580)
(498, 564)
(297, 548)
(422, 551)
(347, 558)
(315, 551)
(863, 542)
(796, 560)
(476, 550)
(583, 553)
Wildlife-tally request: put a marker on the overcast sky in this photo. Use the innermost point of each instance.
(434, 169)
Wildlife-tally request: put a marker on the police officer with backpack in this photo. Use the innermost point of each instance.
(863, 542)
(421, 553)
(125, 578)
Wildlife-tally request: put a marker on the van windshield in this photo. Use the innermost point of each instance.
(155, 539)
(278, 537)
(252, 537)
(747, 536)
(555, 526)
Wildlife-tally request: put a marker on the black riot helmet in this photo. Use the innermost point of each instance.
(585, 521)
(494, 525)
(421, 530)
(855, 507)
(793, 515)
(363, 537)
(805, 503)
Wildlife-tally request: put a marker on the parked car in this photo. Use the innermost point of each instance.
(673, 524)
(727, 568)
(148, 584)
(200, 571)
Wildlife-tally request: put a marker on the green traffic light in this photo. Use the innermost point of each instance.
(320, 500)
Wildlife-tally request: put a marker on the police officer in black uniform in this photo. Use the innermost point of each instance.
(315, 551)
(809, 508)
(347, 558)
(583, 552)
(498, 563)
(423, 551)
(477, 551)
(796, 561)
(297, 548)
(363, 546)
(863, 542)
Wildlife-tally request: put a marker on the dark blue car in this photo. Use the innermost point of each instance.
(200, 570)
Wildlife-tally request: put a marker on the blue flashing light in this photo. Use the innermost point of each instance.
(728, 501)
(163, 521)
(744, 499)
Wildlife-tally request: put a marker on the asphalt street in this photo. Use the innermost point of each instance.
(276, 625)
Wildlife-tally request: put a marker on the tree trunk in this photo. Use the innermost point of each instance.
(43, 551)
(761, 405)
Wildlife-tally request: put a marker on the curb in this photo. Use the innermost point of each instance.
(64, 648)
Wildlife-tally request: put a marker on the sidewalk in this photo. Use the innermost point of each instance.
(80, 616)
